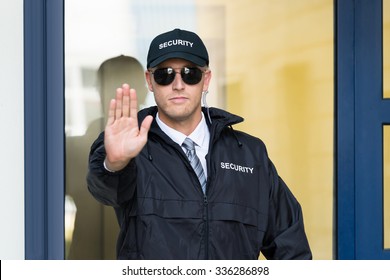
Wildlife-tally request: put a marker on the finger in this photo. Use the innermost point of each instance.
(126, 100)
(111, 112)
(145, 126)
(118, 109)
(133, 104)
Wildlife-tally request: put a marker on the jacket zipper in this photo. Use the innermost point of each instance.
(206, 208)
(206, 221)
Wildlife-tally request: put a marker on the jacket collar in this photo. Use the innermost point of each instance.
(220, 119)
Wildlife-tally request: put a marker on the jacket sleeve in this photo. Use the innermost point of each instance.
(285, 237)
(109, 188)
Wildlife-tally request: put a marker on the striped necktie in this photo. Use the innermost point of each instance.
(189, 145)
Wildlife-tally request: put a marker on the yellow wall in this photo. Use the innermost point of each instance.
(386, 130)
(279, 77)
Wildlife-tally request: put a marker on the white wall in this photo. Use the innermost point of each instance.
(11, 130)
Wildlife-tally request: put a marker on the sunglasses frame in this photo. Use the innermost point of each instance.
(171, 72)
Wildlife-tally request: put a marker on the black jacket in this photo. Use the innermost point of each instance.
(163, 213)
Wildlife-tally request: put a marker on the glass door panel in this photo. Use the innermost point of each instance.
(272, 63)
(386, 186)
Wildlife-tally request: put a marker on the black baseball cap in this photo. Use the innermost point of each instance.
(177, 43)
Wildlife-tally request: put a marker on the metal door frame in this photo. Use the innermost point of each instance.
(360, 112)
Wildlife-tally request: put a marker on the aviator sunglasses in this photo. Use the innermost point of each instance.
(189, 75)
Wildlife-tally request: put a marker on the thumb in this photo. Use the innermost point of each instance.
(145, 126)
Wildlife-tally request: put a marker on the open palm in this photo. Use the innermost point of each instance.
(123, 139)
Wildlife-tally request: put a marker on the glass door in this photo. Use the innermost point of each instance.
(272, 63)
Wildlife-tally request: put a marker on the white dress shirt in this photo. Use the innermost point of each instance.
(201, 137)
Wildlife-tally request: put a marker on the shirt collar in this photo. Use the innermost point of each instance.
(198, 135)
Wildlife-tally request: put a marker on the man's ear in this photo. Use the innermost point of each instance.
(207, 78)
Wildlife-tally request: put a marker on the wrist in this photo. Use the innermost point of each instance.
(113, 167)
(108, 169)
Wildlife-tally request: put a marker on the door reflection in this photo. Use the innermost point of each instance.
(95, 226)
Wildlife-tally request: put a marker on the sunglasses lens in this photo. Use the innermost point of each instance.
(165, 76)
(191, 76)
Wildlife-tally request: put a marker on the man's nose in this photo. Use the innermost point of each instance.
(178, 82)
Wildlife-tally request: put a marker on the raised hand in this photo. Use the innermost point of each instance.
(123, 140)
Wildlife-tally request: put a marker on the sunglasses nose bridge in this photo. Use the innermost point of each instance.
(178, 82)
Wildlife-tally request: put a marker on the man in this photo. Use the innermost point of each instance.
(183, 183)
